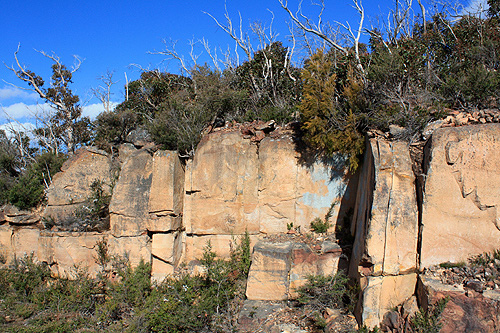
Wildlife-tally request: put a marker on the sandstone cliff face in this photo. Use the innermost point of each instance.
(165, 211)
(233, 185)
(70, 188)
(461, 195)
(385, 225)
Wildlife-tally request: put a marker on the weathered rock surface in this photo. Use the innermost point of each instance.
(385, 225)
(166, 193)
(383, 293)
(72, 186)
(65, 251)
(465, 311)
(278, 269)
(461, 197)
(221, 186)
(232, 186)
(14, 216)
(134, 248)
(297, 192)
(386, 216)
(166, 252)
(129, 204)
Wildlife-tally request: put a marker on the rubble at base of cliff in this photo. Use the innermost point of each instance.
(467, 276)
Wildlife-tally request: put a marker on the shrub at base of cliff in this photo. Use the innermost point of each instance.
(34, 301)
(211, 301)
(122, 298)
(327, 292)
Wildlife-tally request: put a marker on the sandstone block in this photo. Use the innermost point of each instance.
(72, 185)
(166, 247)
(160, 270)
(386, 216)
(6, 243)
(221, 186)
(13, 215)
(305, 262)
(461, 197)
(65, 251)
(129, 204)
(464, 311)
(268, 276)
(25, 242)
(135, 248)
(383, 293)
(167, 185)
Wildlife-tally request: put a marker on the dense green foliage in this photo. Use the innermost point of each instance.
(32, 300)
(28, 189)
(175, 109)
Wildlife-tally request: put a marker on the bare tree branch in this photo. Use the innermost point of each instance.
(310, 27)
(103, 93)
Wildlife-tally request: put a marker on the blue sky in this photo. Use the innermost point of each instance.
(112, 35)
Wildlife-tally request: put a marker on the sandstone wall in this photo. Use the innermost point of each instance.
(234, 185)
(70, 188)
(165, 210)
(385, 225)
(461, 195)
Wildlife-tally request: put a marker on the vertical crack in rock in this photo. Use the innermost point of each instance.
(388, 212)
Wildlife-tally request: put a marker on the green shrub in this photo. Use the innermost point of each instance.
(29, 189)
(330, 291)
(321, 226)
(428, 321)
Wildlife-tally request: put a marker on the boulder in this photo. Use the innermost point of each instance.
(129, 204)
(460, 208)
(268, 276)
(465, 311)
(306, 261)
(381, 294)
(14, 216)
(279, 268)
(385, 220)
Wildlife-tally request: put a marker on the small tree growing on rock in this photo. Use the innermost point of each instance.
(66, 125)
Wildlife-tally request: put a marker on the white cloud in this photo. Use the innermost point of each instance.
(14, 92)
(17, 127)
(22, 110)
(93, 110)
(476, 8)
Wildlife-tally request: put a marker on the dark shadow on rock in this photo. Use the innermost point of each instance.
(308, 156)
